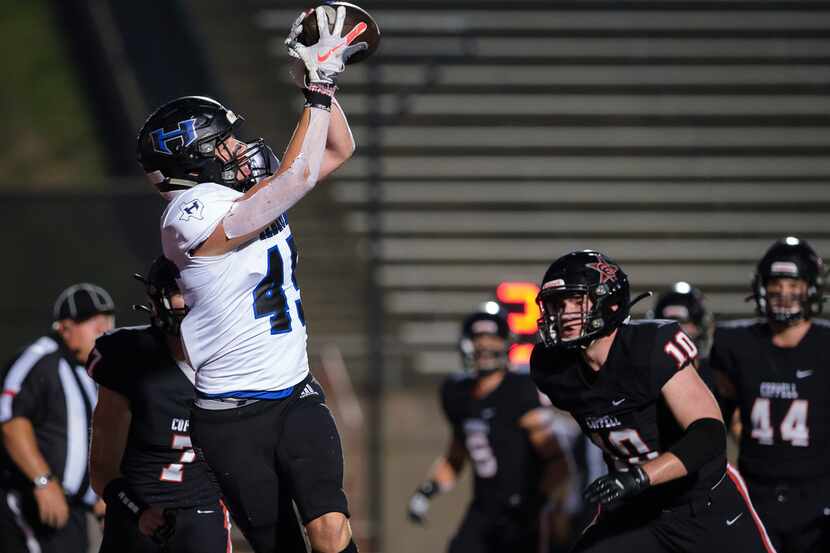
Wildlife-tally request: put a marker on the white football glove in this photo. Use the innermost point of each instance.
(325, 59)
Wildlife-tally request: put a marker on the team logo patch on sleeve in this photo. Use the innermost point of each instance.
(192, 210)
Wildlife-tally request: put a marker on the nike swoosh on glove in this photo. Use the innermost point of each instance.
(617, 485)
(325, 59)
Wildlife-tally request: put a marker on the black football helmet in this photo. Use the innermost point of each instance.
(178, 142)
(489, 319)
(593, 276)
(684, 303)
(160, 284)
(789, 257)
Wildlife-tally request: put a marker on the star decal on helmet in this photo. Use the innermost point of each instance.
(607, 272)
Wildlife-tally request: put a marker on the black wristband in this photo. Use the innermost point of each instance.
(119, 494)
(319, 96)
(429, 488)
(317, 100)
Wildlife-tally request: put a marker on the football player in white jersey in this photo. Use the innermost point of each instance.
(260, 418)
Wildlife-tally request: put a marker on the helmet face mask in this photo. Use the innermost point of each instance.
(584, 296)
(485, 343)
(489, 354)
(167, 308)
(247, 165)
(786, 300)
(788, 285)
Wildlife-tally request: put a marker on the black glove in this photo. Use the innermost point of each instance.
(419, 502)
(617, 485)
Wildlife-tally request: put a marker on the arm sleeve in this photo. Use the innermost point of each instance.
(286, 189)
(194, 215)
(673, 351)
(107, 368)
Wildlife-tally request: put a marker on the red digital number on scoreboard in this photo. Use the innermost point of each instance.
(519, 299)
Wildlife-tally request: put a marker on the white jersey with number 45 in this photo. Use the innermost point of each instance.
(245, 332)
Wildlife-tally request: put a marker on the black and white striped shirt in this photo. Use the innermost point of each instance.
(46, 385)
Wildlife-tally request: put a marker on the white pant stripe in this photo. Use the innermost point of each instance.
(13, 501)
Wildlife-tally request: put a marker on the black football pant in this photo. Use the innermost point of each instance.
(723, 522)
(271, 450)
(482, 532)
(22, 532)
(202, 529)
(797, 516)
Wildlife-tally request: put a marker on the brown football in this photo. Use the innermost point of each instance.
(355, 15)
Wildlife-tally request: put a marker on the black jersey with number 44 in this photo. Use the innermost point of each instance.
(507, 468)
(784, 398)
(159, 460)
(621, 408)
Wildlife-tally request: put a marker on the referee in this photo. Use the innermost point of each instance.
(45, 409)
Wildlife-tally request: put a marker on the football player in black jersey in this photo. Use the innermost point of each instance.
(776, 371)
(633, 388)
(499, 423)
(684, 303)
(160, 493)
(156, 487)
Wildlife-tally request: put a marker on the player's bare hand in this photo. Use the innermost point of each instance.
(151, 520)
(51, 504)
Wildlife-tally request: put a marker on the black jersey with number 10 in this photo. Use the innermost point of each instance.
(621, 408)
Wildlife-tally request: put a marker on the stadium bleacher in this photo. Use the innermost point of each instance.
(680, 137)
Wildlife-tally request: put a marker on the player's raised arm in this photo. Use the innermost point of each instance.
(311, 154)
(340, 143)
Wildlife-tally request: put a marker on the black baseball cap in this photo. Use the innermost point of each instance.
(81, 301)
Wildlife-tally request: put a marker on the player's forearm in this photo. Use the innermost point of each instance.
(20, 442)
(110, 428)
(557, 473)
(444, 474)
(665, 468)
(340, 144)
(297, 176)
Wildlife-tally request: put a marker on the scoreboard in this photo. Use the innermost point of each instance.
(519, 300)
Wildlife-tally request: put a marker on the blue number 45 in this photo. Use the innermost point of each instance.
(269, 296)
